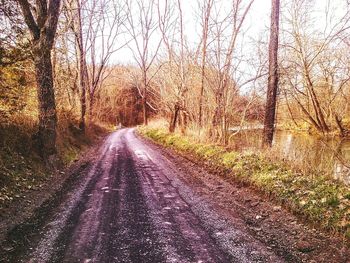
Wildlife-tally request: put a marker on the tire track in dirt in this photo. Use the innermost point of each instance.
(132, 205)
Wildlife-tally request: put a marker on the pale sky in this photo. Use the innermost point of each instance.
(256, 26)
(258, 20)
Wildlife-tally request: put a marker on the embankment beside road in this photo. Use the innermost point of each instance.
(318, 199)
(23, 171)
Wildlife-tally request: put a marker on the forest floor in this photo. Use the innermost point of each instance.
(129, 200)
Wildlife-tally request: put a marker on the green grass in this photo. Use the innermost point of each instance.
(317, 198)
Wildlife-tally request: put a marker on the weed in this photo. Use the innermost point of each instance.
(314, 196)
(21, 168)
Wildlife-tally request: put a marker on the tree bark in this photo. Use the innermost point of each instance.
(204, 55)
(43, 29)
(82, 68)
(342, 131)
(270, 108)
(184, 122)
(174, 118)
(46, 97)
(82, 123)
(91, 106)
(217, 120)
(144, 111)
(144, 99)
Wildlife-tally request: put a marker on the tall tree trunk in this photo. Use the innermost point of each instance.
(217, 117)
(82, 68)
(204, 55)
(270, 108)
(200, 113)
(317, 107)
(91, 106)
(82, 122)
(174, 118)
(42, 28)
(144, 99)
(184, 122)
(144, 111)
(82, 84)
(224, 128)
(46, 98)
(338, 121)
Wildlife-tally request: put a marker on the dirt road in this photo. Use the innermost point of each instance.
(134, 204)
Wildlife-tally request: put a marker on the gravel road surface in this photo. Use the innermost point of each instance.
(132, 204)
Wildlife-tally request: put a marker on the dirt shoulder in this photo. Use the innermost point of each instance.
(286, 234)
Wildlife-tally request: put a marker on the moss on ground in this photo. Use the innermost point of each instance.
(319, 199)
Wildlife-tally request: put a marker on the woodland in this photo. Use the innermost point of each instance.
(62, 85)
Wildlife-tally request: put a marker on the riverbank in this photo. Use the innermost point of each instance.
(308, 153)
(315, 197)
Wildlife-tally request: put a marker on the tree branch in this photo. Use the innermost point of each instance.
(29, 19)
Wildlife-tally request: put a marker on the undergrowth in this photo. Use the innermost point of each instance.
(319, 199)
(22, 169)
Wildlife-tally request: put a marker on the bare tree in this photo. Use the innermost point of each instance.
(65, 74)
(74, 15)
(42, 23)
(142, 26)
(96, 26)
(270, 109)
(314, 69)
(176, 69)
(225, 32)
(206, 11)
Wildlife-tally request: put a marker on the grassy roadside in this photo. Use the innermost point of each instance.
(320, 200)
(22, 170)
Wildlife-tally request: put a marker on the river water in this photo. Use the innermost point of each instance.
(331, 156)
